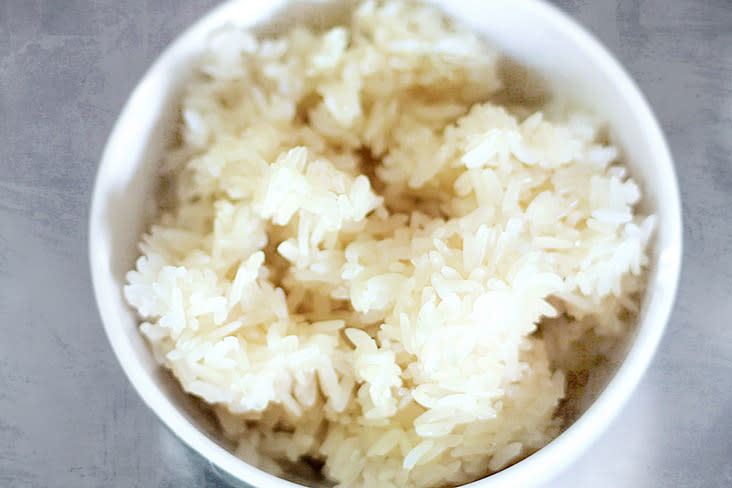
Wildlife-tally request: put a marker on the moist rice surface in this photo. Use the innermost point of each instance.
(362, 259)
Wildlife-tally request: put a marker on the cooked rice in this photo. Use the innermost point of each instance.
(362, 247)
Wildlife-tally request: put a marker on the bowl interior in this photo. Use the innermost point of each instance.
(532, 35)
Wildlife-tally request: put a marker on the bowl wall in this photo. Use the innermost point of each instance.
(533, 35)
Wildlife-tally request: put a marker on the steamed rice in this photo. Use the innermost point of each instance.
(361, 247)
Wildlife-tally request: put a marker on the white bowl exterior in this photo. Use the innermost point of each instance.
(529, 31)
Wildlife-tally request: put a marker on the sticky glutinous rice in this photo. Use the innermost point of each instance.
(362, 246)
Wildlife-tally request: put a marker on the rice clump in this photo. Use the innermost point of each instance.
(364, 262)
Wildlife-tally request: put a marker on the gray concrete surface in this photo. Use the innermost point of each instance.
(69, 418)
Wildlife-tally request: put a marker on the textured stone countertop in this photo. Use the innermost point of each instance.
(68, 415)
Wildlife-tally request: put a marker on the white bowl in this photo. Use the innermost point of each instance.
(531, 32)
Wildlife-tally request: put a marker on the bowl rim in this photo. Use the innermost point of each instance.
(549, 460)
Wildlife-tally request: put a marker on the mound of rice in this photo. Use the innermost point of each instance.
(366, 263)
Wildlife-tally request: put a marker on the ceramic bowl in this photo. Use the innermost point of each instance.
(532, 34)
